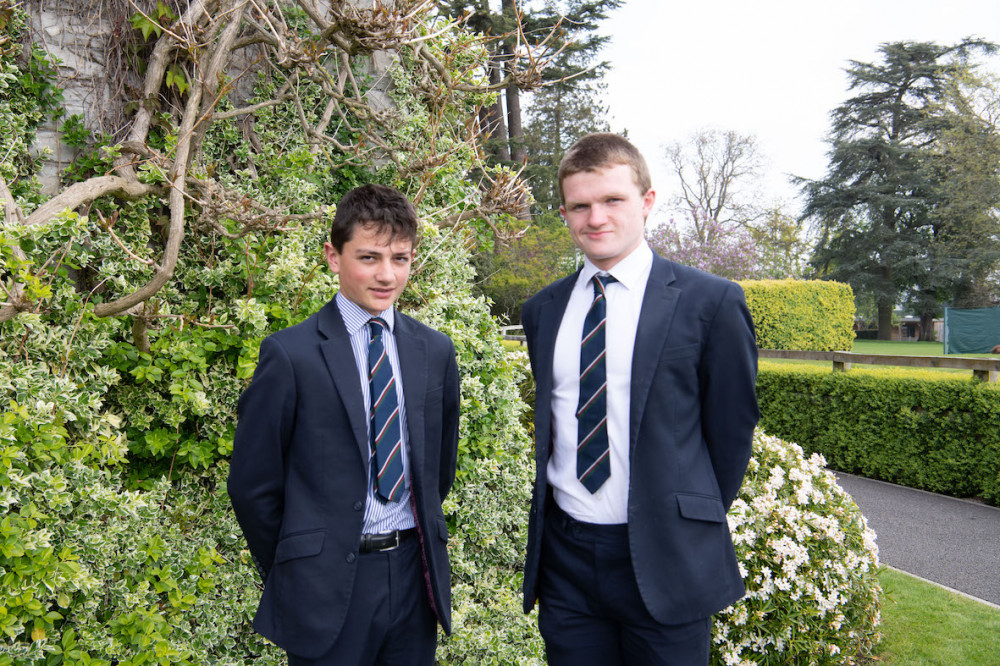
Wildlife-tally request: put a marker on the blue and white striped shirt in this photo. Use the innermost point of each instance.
(380, 516)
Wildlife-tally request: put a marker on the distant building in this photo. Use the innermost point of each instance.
(907, 329)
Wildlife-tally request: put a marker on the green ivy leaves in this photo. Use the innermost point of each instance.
(155, 24)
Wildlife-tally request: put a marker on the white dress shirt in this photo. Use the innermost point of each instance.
(380, 516)
(609, 505)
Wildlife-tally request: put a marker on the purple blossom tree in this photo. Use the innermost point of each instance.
(726, 250)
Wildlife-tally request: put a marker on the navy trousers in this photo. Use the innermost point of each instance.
(390, 622)
(590, 610)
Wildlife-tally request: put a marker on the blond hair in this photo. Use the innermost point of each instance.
(600, 150)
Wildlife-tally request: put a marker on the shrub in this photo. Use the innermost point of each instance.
(924, 429)
(814, 315)
(94, 574)
(808, 560)
(487, 555)
(512, 274)
(118, 543)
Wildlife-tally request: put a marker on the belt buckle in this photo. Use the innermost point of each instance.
(383, 545)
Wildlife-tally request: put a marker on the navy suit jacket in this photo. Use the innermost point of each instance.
(691, 421)
(299, 471)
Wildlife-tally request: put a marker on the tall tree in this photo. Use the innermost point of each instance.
(875, 205)
(542, 255)
(715, 170)
(564, 29)
(782, 244)
(571, 104)
(481, 18)
(965, 162)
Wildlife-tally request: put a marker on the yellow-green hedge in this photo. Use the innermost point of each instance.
(814, 315)
(923, 429)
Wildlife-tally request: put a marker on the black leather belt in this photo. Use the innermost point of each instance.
(376, 543)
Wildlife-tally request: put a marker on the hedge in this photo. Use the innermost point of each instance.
(918, 428)
(814, 315)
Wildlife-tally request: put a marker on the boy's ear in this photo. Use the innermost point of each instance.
(332, 257)
(648, 199)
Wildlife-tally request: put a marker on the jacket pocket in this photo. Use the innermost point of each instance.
(442, 529)
(672, 353)
(701, 507)
(303, 544)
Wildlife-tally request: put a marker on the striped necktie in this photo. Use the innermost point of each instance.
(593, 465)
(384, 433)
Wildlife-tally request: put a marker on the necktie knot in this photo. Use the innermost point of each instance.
(377, 325)
(600, 283)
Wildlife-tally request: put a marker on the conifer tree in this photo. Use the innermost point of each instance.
(876, 205)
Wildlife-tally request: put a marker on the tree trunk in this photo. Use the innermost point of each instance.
(927, 328)
(885, 320)
(515, 132)
(492, 117)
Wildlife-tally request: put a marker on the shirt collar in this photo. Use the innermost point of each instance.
(355, 317)
(629, 271)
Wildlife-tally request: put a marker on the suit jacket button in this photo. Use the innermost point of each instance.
(351, 557)
(359, 505)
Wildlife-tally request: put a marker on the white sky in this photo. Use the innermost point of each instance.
(771, 68)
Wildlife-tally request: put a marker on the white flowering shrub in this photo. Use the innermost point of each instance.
(808, 559)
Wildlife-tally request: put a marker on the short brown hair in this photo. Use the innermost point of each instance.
(384, 208)
(596, 151)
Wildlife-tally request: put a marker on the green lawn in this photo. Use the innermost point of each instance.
(925, 625)
(894, 348)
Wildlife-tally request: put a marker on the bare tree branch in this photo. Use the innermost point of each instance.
(175, 234)
(156, 69)
(209, 39)
(12, 212)
(712, 168)
(87, 191)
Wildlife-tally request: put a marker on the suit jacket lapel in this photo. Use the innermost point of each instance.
(550, 314)
(411, 347)
(344, 371)
(658, 306)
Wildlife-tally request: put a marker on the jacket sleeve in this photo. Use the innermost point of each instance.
(449, 425)
(256, 482)
(729, 392)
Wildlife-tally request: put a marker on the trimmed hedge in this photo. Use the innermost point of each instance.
(922, 429)
(813, 315)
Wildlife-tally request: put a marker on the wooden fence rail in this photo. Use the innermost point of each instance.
(985, 369)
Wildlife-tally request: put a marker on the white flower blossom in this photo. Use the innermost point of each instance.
(803, 547)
